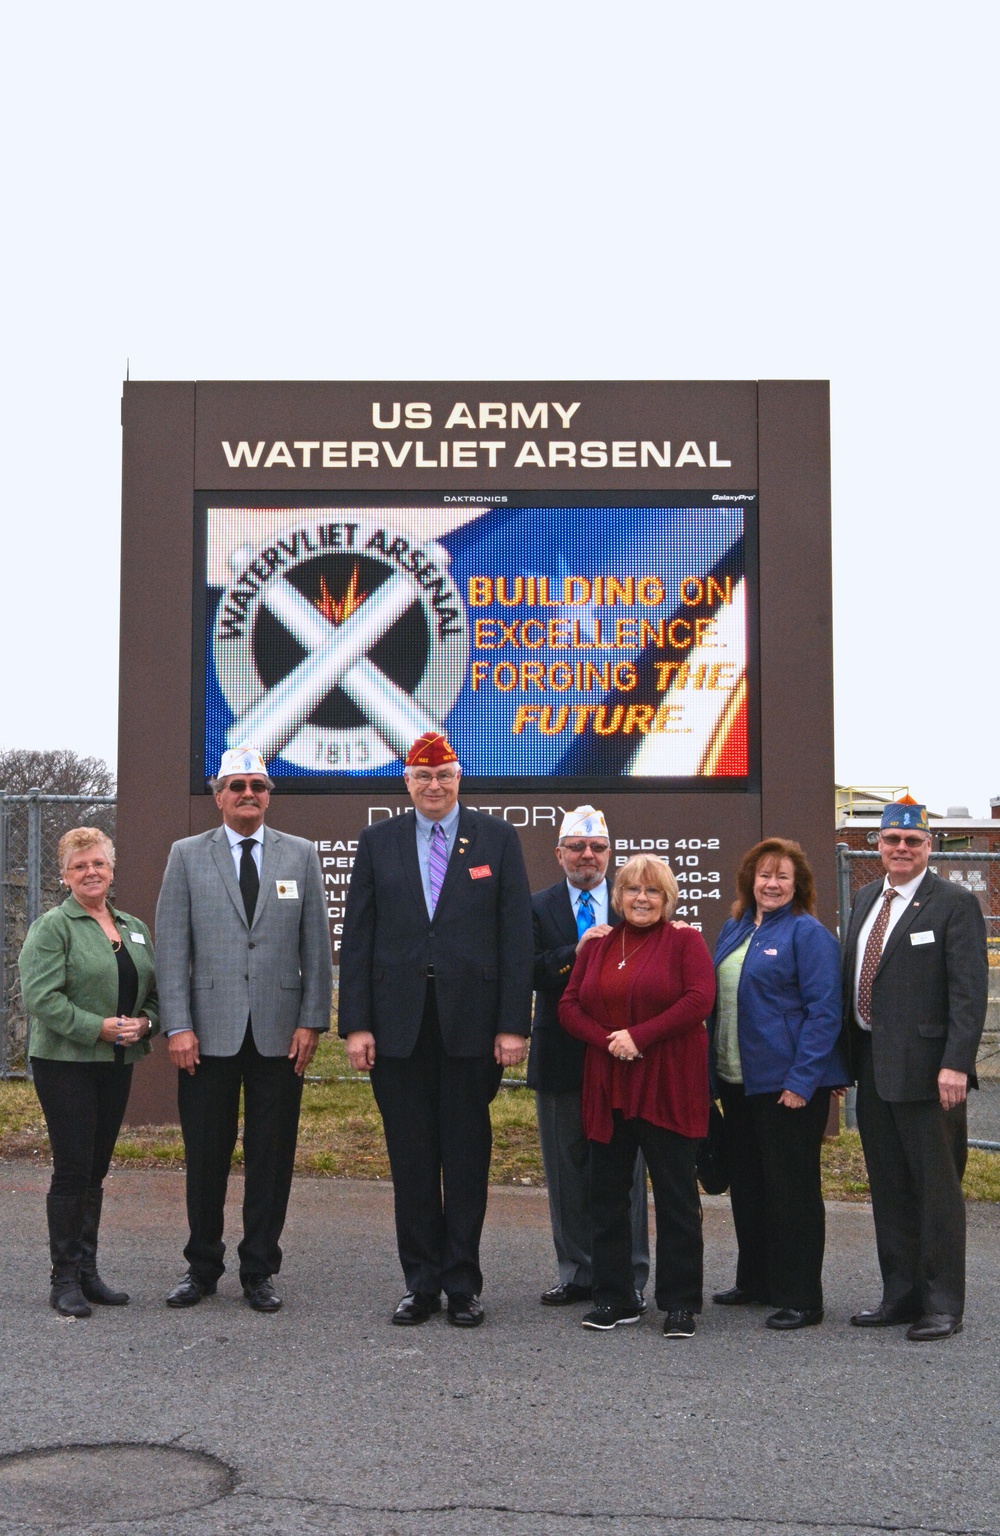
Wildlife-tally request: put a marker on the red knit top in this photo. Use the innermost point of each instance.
(661, 997)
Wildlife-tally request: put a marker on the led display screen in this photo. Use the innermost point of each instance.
(587, 642)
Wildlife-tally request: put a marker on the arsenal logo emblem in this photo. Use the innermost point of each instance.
(337, 644)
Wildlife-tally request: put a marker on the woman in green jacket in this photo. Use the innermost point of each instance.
(89, 990)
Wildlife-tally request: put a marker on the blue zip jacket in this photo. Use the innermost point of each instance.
(788, 1005)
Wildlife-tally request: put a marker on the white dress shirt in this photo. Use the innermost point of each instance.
(237, 838)
(904, 895)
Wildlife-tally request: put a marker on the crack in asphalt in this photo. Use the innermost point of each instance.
(777, 1522)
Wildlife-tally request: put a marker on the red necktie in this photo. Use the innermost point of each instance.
(873, 955)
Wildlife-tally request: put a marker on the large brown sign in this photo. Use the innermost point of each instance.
(326, 566)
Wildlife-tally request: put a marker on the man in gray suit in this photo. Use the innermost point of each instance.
(915, 985)
(244, 969)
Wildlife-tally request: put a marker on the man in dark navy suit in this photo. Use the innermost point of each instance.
(435, 1000)
(915, 989)
(567, 916)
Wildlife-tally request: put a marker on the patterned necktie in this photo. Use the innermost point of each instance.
(437, 863)
(249, 878)
(584, 913)
(873, 955)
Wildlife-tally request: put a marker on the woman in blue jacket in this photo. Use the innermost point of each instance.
(774, 1059)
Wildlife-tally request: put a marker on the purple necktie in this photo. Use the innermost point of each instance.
(437, 863)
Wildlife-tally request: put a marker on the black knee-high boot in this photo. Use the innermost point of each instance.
(65, 1214)
(91, 1284)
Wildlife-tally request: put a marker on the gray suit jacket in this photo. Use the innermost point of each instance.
(213, 971)
(928, 997)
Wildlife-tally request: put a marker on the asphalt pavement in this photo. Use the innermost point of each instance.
(325, 1419)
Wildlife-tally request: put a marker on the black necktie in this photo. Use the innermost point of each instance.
(249, 878)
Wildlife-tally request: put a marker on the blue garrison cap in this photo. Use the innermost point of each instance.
(905, 814)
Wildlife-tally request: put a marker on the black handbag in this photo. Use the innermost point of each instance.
(713, 1154)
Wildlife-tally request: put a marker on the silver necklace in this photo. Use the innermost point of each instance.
(626, 957)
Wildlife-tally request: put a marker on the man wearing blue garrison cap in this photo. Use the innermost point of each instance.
(915, 987)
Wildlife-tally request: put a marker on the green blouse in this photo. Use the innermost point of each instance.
(727, 1043)
(69, 982)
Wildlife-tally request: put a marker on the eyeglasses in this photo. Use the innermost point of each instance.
(447, 776)
(649, 891)
(595, 847)
(240, 786)
(893, 840)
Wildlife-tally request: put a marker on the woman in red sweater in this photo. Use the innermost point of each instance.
(638, 996)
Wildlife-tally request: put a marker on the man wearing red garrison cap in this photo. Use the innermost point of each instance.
(435, 1000)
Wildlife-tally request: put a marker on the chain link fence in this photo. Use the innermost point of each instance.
(980, 874)
(30, 828)
(32, 824)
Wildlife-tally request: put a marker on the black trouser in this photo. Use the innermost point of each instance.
(436, 1112)
(679, 1247)
(84, 1104)
(915, 1154)
(209, 1105)
(777, 1195)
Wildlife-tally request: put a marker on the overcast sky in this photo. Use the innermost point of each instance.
(547, 190)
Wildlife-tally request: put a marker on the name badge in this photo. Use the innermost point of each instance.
(926, 937)
(288, 890)
(137, 938)
(480, 872)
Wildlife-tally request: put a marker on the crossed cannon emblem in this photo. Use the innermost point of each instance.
(338, 656)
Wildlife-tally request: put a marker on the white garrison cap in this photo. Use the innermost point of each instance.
(584, 822)
(241, 760)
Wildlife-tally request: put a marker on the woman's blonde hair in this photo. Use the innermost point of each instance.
(644, 869)
(83, 837)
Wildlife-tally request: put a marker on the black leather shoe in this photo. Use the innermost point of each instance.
(884, 1316)
(565, 1295)
(416, 1307)
(465, 1311)
(259, 1293)
(936, 1325)
(189, 1291)
(787, 1318)
(678, 1324)
(735, 1297)
(640, 1302)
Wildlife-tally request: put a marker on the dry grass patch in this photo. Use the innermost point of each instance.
(340, 1136)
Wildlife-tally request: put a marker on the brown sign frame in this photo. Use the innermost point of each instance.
(768, 436)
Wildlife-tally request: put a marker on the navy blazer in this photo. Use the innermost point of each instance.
(930, 991)
(555, 1062)
(477, 945)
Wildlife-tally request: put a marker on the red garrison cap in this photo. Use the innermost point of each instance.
(431, 750)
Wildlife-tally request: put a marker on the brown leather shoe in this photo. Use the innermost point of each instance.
(884, 1316)
(935, 1325)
